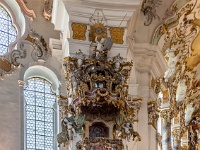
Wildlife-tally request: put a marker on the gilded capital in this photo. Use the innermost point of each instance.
(166, 115)
(176, 133)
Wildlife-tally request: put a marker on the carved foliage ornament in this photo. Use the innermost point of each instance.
(100, 143)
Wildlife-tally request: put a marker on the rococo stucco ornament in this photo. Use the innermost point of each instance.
(37, 49)
(149, 10)
(47, 12)
(181, 37)
(153, 114)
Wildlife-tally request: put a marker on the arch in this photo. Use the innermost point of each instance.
(44, 72)
(40, 117)
(17, 16)
(47, 74)
(17, 20)
(8, 31)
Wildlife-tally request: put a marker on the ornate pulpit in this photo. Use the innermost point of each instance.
(99, 113)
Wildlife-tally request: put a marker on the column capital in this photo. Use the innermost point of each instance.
(166, 115)
(176, 134)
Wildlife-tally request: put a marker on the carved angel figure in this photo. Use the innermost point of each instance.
(80, 58)
(117, 62)
(128, 131)
(63, 137)
(171, 63)
(68, 121)
(181, 90)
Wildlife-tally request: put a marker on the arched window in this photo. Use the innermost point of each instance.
(39, 114)
(8, 32)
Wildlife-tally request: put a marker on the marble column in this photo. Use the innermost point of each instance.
(166, 129)
(176, 139)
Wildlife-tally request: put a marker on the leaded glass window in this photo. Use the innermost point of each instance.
(8, 32)
(39, 113)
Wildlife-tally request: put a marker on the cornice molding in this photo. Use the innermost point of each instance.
(117, 5)
(117, 13)
(148, 58)
(75, 45)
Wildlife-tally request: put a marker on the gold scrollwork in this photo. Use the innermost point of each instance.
(117, 35)
(5, 64)
(79, 31)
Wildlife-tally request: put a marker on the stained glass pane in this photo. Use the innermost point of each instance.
(39, 115)
(8, 32)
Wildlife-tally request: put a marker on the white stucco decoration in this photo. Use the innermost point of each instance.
(43, 72)
(171, 63)
(188, 113)
(181, 90)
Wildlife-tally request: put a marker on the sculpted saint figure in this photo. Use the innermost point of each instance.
(181, 90)
(99, 43)
(171, 63)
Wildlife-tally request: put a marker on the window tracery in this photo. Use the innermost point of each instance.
(8, 31)
(39, 114)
